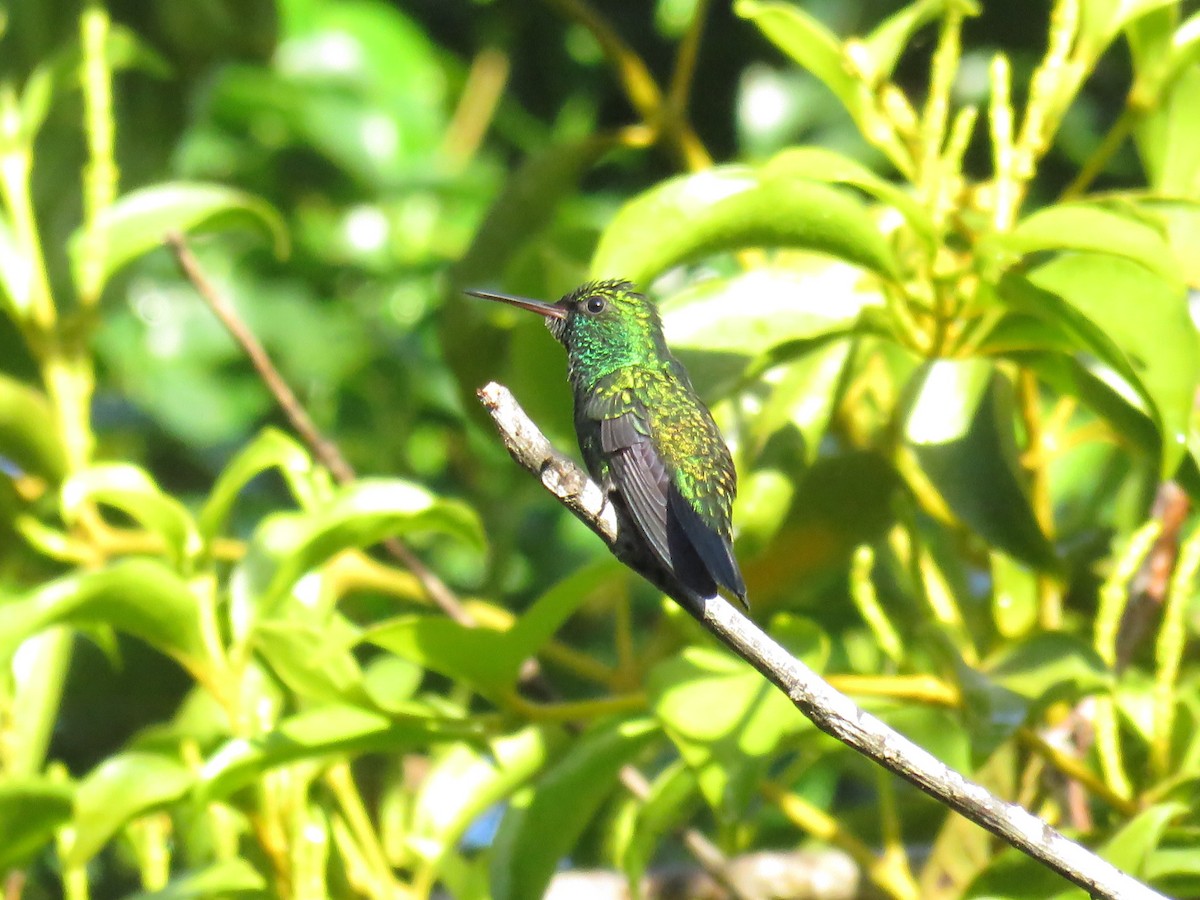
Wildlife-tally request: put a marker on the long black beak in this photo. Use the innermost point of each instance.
(541, 307)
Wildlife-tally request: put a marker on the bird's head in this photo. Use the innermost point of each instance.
(605, 325)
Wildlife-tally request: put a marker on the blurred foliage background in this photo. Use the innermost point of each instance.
(947, 334)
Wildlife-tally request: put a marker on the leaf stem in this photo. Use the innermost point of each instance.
(895, 880)
(639, 85)
(100, 172)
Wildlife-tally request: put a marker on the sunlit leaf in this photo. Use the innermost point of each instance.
(1014, 596)
(141, 597)
(28, 433)
(1148, 319)
(119, 789)
(465, 781)
(313, 661)
(808, 42)
(960, 427)
(228, 878)
(1043, 667)
(140, 221)
(16, 272)
(272, 449)
(287, 545)
(318, 733)
(1085, 228)
(31, 810)
(724, 719)
(804, 396)
(888, 40)
(674, 796)
(724, 329)
(130, 489)
(1132, 847)
(489, 661)
(728, 208)
(820, 164)
(1101, 20)
(543, 823)
(763, 502)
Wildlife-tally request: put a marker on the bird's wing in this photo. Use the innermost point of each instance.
(697, 555)
(641, 477)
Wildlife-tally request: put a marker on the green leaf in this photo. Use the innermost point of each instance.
(725, 720)
(729, 208)
(1132, 847)
(141, 597)
(724, 329)
(391, 682)
(318, 733)
(960, 426)
(544, 823)
(272, 449)
(140, 221)
(28, 433)
(120, 789)
(809, 43)
(803, 395)
(228, 878)
(819, 164)
(938, 731)
(1064, 328)
(314, 661)
(287, 545)
(888, 40)
(131, 490)
(1011, 875)
(464, 782)
(475, 656)
(1101, 20)
(1086, 228)
(1014, 596)
(1148, 319)
(762, 506)
(490, 661)
(31, 810)
(1048, 667)
(673, 799)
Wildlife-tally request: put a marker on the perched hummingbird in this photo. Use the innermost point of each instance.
(647, 437)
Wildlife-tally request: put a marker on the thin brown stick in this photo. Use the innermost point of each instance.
(324, 449)
(832, 712)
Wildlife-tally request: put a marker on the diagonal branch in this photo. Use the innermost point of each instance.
(324, 449)
(832, 712)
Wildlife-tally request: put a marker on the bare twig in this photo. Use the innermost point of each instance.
(829, 710)
(1149, 586)
(324, 449)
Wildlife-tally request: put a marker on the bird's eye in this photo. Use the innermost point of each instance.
(596, 304)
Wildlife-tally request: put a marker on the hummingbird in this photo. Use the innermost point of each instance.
(647, 438)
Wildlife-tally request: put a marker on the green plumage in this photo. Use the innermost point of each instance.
(646, 436)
